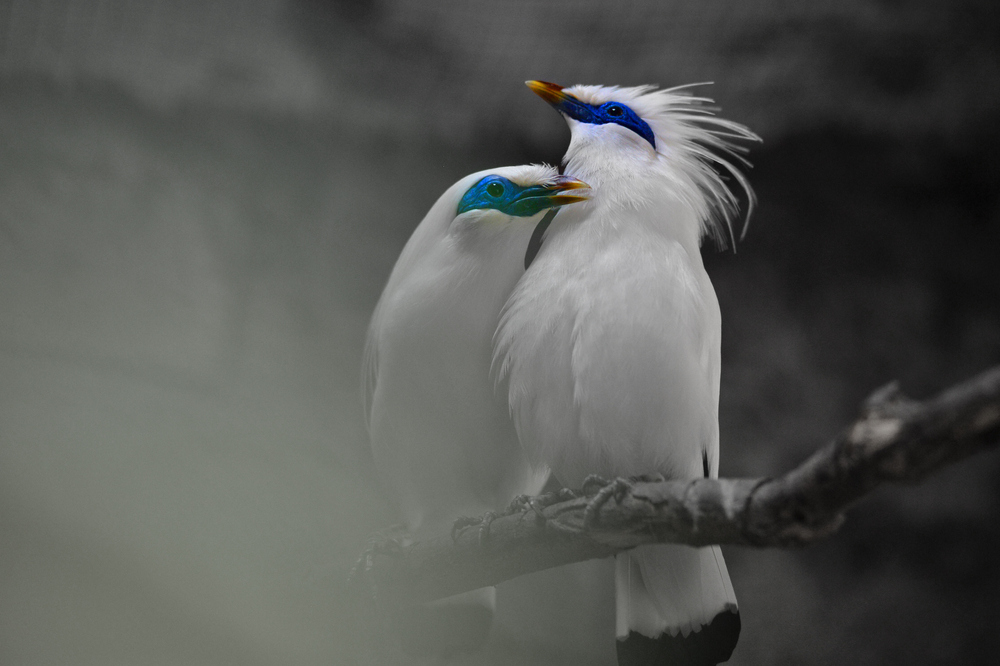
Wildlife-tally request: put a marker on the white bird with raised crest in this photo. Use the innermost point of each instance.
(441, 435)
(610, 343)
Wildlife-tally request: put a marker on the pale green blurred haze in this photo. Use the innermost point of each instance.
(200, 203)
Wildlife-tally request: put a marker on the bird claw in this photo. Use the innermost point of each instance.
(461, 524)
(483, 521)
(521, 503)
(484, 527)
(616, 488)
(538, 503)
(561, 495)
(593, 481)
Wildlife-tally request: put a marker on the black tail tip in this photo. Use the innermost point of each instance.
(442, 631)
(713, 644)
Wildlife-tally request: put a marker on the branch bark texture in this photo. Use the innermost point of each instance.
(895, 439)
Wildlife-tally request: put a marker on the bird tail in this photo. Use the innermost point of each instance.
(448, 626)
(675, 605)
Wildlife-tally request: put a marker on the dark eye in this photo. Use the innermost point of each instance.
(494, 189)
(615, 111)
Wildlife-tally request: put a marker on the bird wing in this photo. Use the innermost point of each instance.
(613, 360)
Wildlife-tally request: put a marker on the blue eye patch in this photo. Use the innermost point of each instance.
(609, 112)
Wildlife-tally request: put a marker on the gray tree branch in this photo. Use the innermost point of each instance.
(895, 439)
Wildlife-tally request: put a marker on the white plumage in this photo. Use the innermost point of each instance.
(610, 343)
(441, 434)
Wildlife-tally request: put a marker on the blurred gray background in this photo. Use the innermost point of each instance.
(199, 205)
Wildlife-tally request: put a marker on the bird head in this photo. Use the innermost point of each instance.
(635, 144)
(491, 200)
(599, 113)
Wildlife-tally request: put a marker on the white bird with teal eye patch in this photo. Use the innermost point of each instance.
(610, 343)
(441, 435)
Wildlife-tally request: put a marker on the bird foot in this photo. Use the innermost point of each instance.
(484, 527)
(616, 488)
(519, 504)
(523, 504)
(593, 483)
(484, 522)
(537, 503)
(461, 524)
